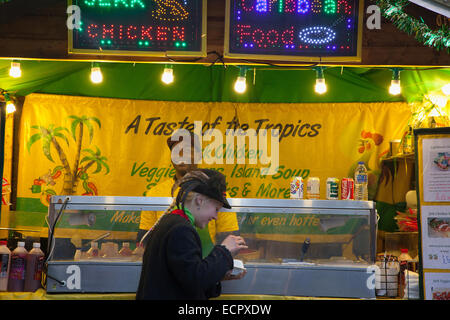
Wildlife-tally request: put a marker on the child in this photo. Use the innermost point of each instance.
(172, 266)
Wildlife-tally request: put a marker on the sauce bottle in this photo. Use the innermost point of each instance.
(16, 281)
(93, 250)
(35, 262)
(5, 260)
(125, 251)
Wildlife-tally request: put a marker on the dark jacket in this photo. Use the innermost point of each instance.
(173, 268)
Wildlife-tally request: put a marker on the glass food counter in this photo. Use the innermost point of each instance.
(90, 240)
(322, 248)
(314, 248)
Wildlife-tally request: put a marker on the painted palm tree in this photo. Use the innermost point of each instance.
(48, 136)
(94, 158)
(80, 122)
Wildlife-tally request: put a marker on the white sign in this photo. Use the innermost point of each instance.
(435, 221)
(436, 170)
(437, 286)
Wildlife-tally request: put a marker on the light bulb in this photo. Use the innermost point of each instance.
(446, 89)
(10, 107)
(395, 88)
(15, 70)
(96, 75)
(240, 85)
(167, 76)
(320, 86)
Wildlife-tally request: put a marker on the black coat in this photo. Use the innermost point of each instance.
(173, 268)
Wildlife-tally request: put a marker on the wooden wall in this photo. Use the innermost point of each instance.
(37, 29)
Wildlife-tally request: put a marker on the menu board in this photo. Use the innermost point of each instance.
(139, 27)
(433, 181)
(298, 30)
(436, 169)
(437, 286)
(435, 221)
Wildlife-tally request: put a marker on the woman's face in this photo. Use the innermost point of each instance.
(206, 211)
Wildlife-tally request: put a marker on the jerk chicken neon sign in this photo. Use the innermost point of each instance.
(140, 27)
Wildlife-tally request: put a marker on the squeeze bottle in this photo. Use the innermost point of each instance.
(33, 274)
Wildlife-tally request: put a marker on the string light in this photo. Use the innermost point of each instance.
(10, 107)
(15, 70)
(96, 73)
(167, 76)
(395, 87)
(320, 86)
(241, 82)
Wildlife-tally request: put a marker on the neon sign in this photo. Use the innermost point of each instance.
(298, 30)
(140, 27)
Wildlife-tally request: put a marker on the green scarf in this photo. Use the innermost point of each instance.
(189, 215)
(207, 243)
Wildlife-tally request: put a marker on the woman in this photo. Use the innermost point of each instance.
(172, 266)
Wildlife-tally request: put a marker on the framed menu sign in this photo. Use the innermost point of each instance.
(433, 186)
(294, 30)
(139, 27)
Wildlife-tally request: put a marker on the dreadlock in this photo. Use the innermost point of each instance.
(187, 183)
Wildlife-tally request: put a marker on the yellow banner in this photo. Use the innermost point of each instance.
(113, 147)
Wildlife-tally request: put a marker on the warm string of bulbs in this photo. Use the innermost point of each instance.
(15, 72)
(240, 85)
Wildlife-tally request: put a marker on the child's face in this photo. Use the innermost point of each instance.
(207, 211)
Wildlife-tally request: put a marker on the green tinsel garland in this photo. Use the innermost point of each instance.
(393, 10)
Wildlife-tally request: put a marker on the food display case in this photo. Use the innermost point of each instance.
(317, 248)
(314, 248)
(89, 243)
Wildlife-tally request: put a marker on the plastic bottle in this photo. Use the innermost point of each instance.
(93, 250)
(125, 251)
(35, 263)
(361, 189)
(16, 279)
(5, 260)
(403, 259)
(409, 143)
